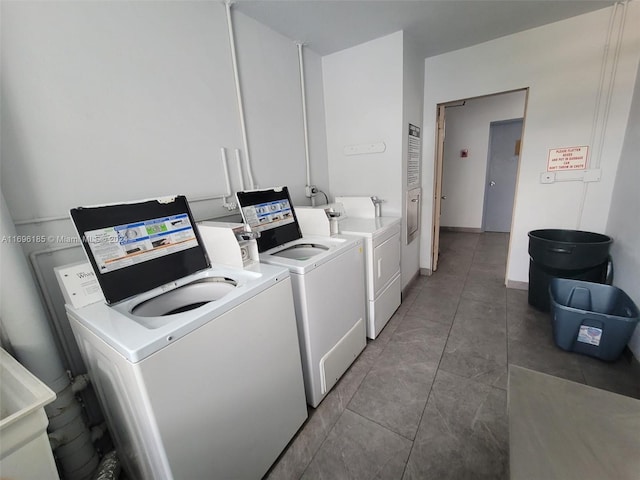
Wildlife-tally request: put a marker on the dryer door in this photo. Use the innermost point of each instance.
(386, 262)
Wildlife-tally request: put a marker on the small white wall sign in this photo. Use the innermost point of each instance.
(567, 158)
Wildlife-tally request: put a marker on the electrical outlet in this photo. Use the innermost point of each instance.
(310, 191)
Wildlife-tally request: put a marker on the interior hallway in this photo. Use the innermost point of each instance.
(427, 399)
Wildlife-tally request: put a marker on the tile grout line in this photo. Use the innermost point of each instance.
(413, 442)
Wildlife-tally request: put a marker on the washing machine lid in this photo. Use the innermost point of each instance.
(134, 247)
(271, 213)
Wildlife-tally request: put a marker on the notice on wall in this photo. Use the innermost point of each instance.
(567, 158)
(413, 162)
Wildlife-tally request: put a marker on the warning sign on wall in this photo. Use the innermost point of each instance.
(568, 158)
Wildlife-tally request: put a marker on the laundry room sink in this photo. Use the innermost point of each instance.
(183, 299)
(25, 451)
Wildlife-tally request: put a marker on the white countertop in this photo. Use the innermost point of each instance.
(366, 226)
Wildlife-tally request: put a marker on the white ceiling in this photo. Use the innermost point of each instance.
(438, 26)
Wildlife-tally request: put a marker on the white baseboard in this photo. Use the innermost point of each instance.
(517, 285)
(425, 272)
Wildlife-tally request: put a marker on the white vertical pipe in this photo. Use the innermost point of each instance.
(597, 154)
(223, 156)
(236, 76)
(612, 81)
(603, 68)
(239, 163)
(252, 184)
(304, 114)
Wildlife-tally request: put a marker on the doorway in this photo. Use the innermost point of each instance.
(461, 168)
(502, 171)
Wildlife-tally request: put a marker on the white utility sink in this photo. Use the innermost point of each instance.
(25, 452)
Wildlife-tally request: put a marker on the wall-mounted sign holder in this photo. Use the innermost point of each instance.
(365, 148)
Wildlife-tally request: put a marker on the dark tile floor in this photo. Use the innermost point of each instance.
(427, 399)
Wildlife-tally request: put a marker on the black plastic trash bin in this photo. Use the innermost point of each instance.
(591, 318)
(571, 254)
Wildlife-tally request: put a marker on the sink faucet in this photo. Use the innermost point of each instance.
(377, 203)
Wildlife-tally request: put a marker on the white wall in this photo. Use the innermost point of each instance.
(372, 92)
(560, 63)
(363, 104)
(623, 225)
(412, 96)
(464, 179)
(113, 101)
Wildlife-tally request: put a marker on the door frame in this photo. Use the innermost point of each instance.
(439, 156)
(437, 187)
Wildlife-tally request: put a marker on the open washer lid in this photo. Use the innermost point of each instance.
(137, 246)
(271, 213)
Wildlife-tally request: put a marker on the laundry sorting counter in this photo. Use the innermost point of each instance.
(327, 275)
(197, 367)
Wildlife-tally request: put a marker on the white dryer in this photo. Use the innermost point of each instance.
(383, 256)
(381, 238)
(327, 275)
(382, 250)
(197, 367)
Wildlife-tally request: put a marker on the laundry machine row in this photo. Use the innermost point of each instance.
(197, 366)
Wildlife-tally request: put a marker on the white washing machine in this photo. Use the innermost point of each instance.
(197, 368)
(327, 275)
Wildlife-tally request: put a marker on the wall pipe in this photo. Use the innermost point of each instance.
(239, 163)
(605, 56)
(32, 340)
(225, 166)
(41, 220)
(37, 220)
(305, 127)
(228, 193)
(612, 81)
(236, 76)
(109, 468)
(304, 114)
(597, 158)
(48, 301)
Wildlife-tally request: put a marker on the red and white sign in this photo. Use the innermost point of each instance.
(567, 158)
